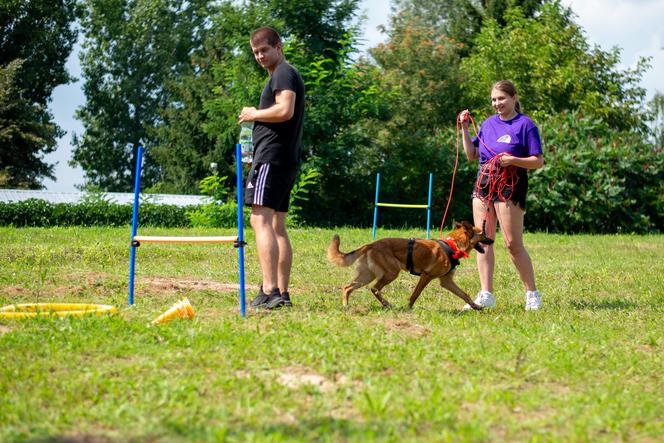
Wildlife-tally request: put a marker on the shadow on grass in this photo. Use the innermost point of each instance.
(325, 428)
(314, 429)
(77, 439)
(616, 304)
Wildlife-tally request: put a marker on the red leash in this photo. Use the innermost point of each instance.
(456, 164)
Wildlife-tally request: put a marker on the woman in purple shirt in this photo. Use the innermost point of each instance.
(507, 146)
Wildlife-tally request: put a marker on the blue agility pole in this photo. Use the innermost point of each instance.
(373, 231)
(134, 223)
(429, 206)
(398, 205)
(240, 226)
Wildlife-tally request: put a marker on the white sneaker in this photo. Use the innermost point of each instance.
(533, 300)
(484, 299)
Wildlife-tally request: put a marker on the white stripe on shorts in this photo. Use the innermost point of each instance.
(259, 190)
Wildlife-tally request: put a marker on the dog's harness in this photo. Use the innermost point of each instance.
(453, 252)
(448, 245)
(409, 257)
(457, 253)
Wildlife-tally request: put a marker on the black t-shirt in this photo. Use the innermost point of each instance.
(280, 143)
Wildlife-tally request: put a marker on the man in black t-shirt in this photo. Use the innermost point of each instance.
(277, 140)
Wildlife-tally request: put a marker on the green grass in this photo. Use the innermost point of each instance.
(586, 368)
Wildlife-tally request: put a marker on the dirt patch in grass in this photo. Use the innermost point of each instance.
(294, 377)
(402, 326)
(359, 310)
(10, 291)
(172, 284)
(98, 284)
(4, 330)
(647, 349)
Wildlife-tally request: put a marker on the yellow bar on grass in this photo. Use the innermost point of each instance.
(396, 205)
(157, 239)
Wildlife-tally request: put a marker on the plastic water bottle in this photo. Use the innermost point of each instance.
(246, 132)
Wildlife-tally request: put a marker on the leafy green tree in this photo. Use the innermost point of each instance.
(320, 26)
(235, 79)
(554, 69)
(338, 91)
(26, 132)
(41, 33)
(36, 37)
(419, 70)
(187, 112)
(656, 108)
(132, 49)
(460, 20)
(344, 97)
(200, 122)
(182, 149)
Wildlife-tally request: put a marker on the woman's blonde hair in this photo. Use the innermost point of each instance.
(508, 87)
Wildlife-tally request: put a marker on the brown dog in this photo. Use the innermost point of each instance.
(382, 261)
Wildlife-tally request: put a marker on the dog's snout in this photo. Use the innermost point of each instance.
(486, 241)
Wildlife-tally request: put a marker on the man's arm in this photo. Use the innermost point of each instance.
(282, 110)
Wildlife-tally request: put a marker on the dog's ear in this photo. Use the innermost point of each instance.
(468, 226)
(457, 225)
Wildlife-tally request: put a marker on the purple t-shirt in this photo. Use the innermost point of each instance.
(518, 137)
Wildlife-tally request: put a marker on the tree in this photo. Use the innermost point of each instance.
(132, 50)
(656, 108)
(339, 93)
(419, 74)
(320, 26)
(460, 20)
(36, 37)
(554, 68)
(186, 111)
(26, 132)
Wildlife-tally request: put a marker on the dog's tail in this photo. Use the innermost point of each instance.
(339, 258)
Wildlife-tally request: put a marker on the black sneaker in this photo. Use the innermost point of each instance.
(260, 299)
(287, 300)
(275, 300)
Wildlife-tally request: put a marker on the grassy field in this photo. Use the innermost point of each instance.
(586, 368)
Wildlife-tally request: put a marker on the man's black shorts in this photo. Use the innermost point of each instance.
(270, 185)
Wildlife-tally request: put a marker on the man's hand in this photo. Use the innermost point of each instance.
(248, 114)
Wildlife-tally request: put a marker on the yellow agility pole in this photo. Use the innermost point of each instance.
(399, 205)
(167, 239)
(396, 205)
(29, 310)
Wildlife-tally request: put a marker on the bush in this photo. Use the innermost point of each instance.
(596, 179)
(217, 215)
(97, 212)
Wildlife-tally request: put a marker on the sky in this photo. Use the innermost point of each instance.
(635, 26)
